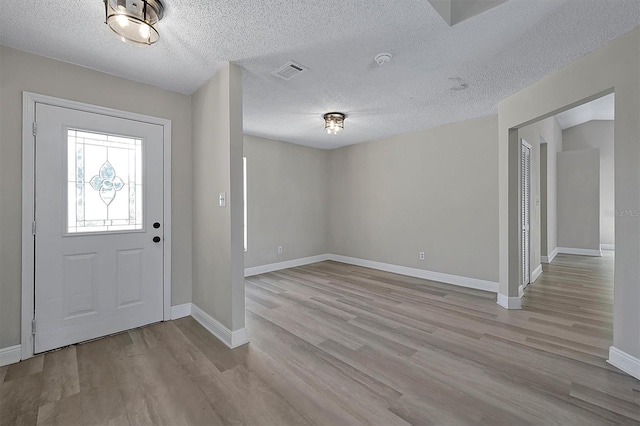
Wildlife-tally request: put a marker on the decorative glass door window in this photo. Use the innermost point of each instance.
(104, 188)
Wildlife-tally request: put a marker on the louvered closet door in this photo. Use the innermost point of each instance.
(525, 180)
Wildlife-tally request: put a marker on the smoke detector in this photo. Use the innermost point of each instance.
(383, 58)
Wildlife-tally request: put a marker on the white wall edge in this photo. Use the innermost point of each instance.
(10, 355)
(550, 257)
(180, 311)
(420, 273)
(580, 252)
(232, 339)
(262, 269)
(608, 247)
(625, 362)
(536, 274)
(509, 302)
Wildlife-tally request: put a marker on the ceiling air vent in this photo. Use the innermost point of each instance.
(289, 70)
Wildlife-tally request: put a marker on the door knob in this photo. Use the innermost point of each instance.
(156, 239)
(156, 225)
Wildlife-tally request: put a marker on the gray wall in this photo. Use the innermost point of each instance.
(579, 199)
(615, 66)
(218, 253)
(598, 134)
(545, 132)
(20, 72)
(287, 201)
(432, 191)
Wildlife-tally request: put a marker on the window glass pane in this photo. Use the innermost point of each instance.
(104, 190)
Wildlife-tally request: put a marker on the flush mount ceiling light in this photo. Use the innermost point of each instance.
(334, 122)
(134, 20)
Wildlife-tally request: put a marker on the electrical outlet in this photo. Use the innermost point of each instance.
(421, 255)
(280, 250)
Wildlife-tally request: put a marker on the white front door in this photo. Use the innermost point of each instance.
(98, 225)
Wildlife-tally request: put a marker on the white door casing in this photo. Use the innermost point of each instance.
(89, 284)
(525, 211)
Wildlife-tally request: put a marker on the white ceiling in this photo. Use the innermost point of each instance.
(600, 109)
(496, 53)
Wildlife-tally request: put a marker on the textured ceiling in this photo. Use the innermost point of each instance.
(496, 53)
(601, 109)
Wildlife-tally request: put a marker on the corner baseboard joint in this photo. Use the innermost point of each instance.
(509, 302)
(625, 362)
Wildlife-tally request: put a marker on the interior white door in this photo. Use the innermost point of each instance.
(98, 226)
(525, 209)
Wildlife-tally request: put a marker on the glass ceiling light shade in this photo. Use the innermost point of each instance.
(134, 20)
(334, 122)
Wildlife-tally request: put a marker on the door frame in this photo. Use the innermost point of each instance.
(29, 101)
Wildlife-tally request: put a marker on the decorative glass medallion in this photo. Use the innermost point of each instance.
(107, 183)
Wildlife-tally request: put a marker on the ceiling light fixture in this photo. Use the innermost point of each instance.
(134, 20)
(334, 122)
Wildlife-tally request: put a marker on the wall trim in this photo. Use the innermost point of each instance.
(10, 355)
(388, 267)
(625, 362)
(608, 247)
(232, 339)
(550, 257)
(420, 273)
(509, 302)
(580, 251)
(262, 269)
(536, 274)
(180, 311)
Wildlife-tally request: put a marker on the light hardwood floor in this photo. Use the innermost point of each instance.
(336, 344)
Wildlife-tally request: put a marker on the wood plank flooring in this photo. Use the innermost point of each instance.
(335, 344)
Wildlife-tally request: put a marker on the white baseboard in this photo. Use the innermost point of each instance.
(536, 274)
(580, 252)
(608, 247)
(520, 291)
(180, 311)
(232, 339)
(625, 362)
(262, 269)
(509, 302)
(420, 273)
(10, 355)
(550, 257)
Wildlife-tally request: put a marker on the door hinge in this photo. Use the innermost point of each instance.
(33, 227)
(35, 128)
(33, 327)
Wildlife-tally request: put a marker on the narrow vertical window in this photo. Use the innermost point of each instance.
(244, 186)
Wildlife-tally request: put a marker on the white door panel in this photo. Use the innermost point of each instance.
(99, 190)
